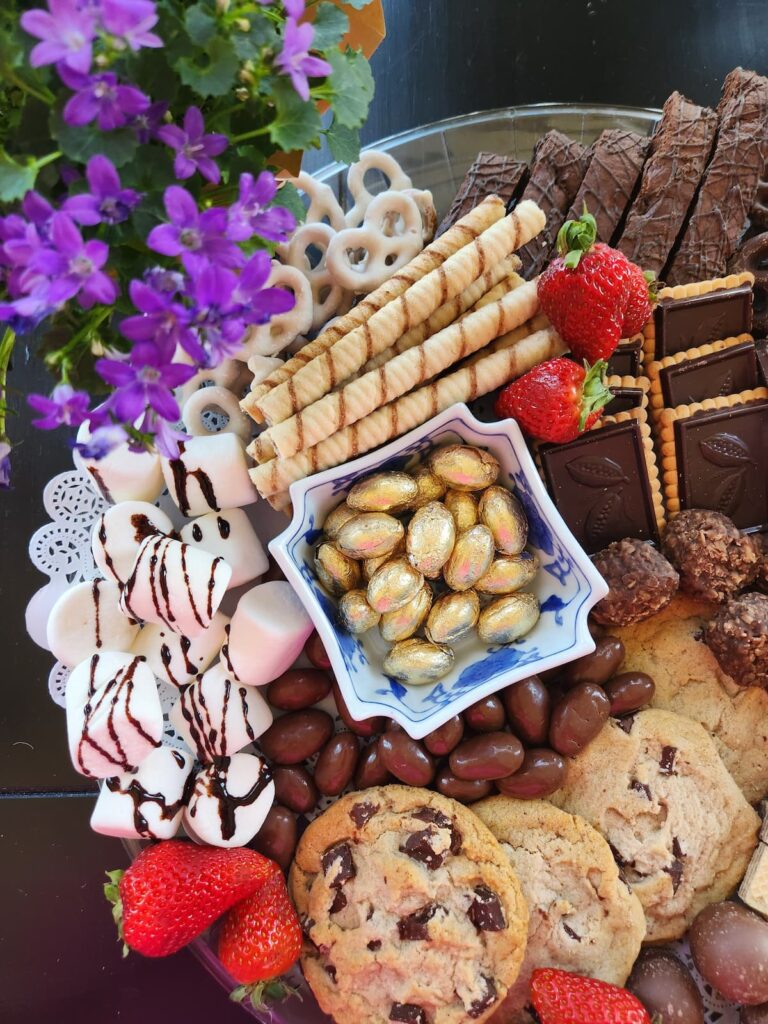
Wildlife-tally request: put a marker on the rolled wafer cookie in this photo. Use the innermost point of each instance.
(488, 212)
(471, 381)
(322, 374)
(313, 424)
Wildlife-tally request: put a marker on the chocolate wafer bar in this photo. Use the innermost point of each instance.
(611, 178)
(679, 151)
(725, 367)
(557, 171)
(730, 181)
(490, 174)
(754, 888)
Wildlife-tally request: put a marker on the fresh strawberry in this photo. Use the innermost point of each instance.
(259, 940)
(556, 400)
(587, 289)
(642, 295)
(174, 890)
(560, 997)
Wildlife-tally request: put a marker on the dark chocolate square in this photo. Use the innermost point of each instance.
(761, 348)
(697, 319)
(626, 359)
(600, 485)
(721, 462)
(721, 373)
(624, 399)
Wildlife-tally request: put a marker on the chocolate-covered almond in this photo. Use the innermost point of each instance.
(486, 715)
(664, 986)
(371, 770)
(295, 788)
(298, 688)
(597, 667)
(278, 836)
(296, 736)
(729, 945)
(528, 704)
(406, 759)
(577, 718)
(336, 764)
(442, 740)
(466, 791)
(365, 727)
(541, 774)
(316, 653)
(629, 691)
(491, 755)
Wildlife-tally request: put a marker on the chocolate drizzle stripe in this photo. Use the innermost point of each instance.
(96, 595)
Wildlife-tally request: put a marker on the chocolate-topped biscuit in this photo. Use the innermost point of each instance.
(761, 351)
(490, 174)
(627, 358)
(682, 323)
(725, 372)
(629, 392)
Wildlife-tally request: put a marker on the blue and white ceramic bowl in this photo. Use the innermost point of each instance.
(567, 584)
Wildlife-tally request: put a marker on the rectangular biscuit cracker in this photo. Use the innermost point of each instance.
(630, 392)
(726, 384)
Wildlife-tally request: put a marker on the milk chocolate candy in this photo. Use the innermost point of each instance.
(694, 320)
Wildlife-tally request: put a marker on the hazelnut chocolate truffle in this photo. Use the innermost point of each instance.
(761, 581)
(641, 582)
(738, 638)
(714, 559)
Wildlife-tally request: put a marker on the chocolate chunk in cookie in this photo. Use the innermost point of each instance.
(408, 1013)
(738, 638)
(714, 559)
(338, 865)
(414, 927)
(485, 911)
(641, 582)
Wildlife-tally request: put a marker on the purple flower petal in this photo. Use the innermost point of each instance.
(165, 240)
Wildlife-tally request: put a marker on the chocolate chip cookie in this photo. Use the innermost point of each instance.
(670, 647)
(410, 908)
(680, 830)
(583, 917)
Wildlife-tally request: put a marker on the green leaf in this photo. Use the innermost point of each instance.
(200, 23)
(352, 87)
(80, 144)
(248, 45)
(343, 142)
(331, 23)
(297, 124)
(215, 75)
(288, 196)
(15, 179)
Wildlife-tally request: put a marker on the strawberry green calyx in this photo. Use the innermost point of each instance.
(653, 286)
(112, 893)
(262, 993)
(595, 393)
(575, 238)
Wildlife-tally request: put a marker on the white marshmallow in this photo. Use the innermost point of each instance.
(267, 632)
(217, 716)
(229, 535)
(221, 401)
(210, 474)
(86, 619)
(114, 718)
(179, 659)
(230, 800)
(147, 803)
(261, 367)
(118, 533)
(123, 475)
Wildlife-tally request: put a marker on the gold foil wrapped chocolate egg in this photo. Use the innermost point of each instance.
(503, 514)
(453, 617)
(470, 559)
(418, 662)
(464, 467)
(430, 538)
(431, 487)
(463, 508)
(337, 572)
(403, 622)
(370, 535)
(508, 618)
(336, 519)
(393, 584)
(355, 613)
(508, 573)
(383, 492)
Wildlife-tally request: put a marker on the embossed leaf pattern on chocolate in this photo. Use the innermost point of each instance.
(730, 491)
(602, 519)
(725, 450)
(727, 386)
(593, 471)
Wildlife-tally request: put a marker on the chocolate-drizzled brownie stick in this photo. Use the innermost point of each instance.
(679, 152)
(490, 174)
(730, 182)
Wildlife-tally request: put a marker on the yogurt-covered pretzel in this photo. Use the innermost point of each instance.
(371, 160)
(270, 338)
(322, 202)
(218, 399)
(328, 296)
(425, 202)
(231, 374)
(391, 236)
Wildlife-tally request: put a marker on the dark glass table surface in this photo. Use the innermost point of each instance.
(59, 960)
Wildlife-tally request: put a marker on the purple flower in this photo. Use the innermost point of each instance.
(166, 436)
(294, 8)
(145, 379)
(145, 125)
(101, 442)
(107, 202)
(37, 209)
(194, 149)
(5, 466)
(192, 235)
(100, 97)
(24, 314)
(65, 407)
(74, 266)
(249, 214)
(260, 303)
(161, 319)
(66, 32)
(129, 22)
(295, 61)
